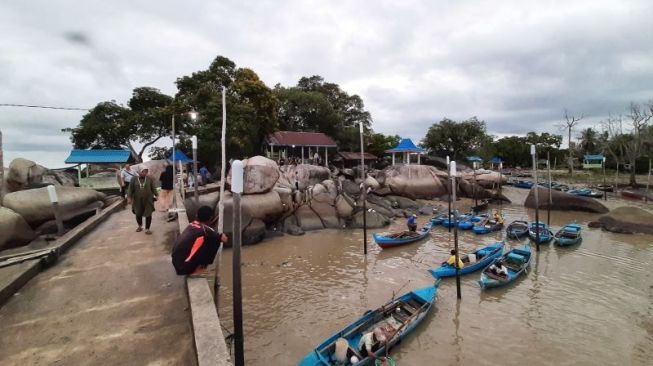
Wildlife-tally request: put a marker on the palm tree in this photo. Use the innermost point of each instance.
(589, 141)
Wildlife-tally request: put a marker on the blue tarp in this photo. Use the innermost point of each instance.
(98, 157)
(406, 145)
(593, 157)
(180, 156)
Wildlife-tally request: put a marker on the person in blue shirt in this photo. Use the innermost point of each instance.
(204, 173)
(412, 224)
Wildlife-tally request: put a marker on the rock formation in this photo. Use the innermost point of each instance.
(563, 201)
(14, 231)
(628, 220)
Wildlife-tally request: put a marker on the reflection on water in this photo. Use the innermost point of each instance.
(589, 304)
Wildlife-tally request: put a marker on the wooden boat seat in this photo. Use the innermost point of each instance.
(496, 276)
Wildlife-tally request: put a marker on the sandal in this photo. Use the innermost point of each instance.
(148, 232)
(139, 229)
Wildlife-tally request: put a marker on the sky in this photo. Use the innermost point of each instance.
(515, 64)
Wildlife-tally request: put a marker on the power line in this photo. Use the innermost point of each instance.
(42, 107)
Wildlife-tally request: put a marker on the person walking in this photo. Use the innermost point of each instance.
(125, 176)
(141, 195)
(167, 190)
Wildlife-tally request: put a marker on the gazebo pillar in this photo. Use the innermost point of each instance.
(326, 156)
(302, 154)
(393, 158)
(419, 161)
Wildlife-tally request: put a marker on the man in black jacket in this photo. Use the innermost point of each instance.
(197, 246)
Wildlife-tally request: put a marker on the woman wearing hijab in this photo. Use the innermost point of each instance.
(141, 196)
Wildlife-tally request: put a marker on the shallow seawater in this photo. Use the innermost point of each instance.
(590, 304)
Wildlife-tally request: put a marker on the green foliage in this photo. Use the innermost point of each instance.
(319, 106)
(456, 139)
(378, 143)
(515, 150)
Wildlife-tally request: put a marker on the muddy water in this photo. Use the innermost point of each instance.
(586, 305)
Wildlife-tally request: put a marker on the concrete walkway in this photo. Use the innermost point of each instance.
(113, 299)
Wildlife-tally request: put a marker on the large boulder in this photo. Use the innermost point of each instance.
(35, 207)
(414, 181)
(261, 174)
(24, 174)
(351, 188)
(371, 182)
(402, 202)
(305, 175)
(14, 230)
(59, 178)
(254, 232)
(491, 179)
(265, 206)
(290, 226)
(374, 220)
(209, 199)
(628, 220)
(327, 214)
(307, 219)
(344, 206)
(563, 201)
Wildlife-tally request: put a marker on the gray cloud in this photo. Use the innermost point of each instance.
(515, 64)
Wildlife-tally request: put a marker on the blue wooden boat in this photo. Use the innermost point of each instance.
(484, 257)
(437, 220)
(467, 221)
(523, 184)
(569, 235)
(487, 226)
(545, 234)
(516, 261)
(398, 318)
(586, 192)
(401, 238)
(517, 229)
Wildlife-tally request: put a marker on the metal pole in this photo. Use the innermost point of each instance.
(537, 203)
(450, 188)
(548, 208)
(616, 178)
(174, 167)
(196, 193)
(216, 279)
(475, 184)
(237, 189)
(648, 180)
(455, 231)
(364, 192)
(605, 188)
(54, 199)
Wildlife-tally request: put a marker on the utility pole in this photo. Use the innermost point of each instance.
(452, 173)
(193, 140)
(537, 203)
(548, 208)
(364, 194)
(237, 189)
(450, 188)
(216, 279)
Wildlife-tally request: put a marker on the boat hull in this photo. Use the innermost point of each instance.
(493, 251)
(388, 242)
(487, 282)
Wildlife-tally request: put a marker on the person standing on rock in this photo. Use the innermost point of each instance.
(141, 195)
(197, 245)
(125, 176)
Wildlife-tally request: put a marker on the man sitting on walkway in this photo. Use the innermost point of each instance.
(197, 246)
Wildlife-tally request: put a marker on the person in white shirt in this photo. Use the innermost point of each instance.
(124, 178)
(499, 269)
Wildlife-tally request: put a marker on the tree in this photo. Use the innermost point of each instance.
(378, 143)
(251, 109)
(588, 141)
(639, 117)
(112, 126)
(570, 122)
(456, 139)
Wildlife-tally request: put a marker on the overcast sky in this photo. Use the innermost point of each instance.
(515, 64)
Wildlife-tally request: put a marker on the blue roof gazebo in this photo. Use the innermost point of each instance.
(97, 156)
(496, 160)
(180, 157)
(407, 147)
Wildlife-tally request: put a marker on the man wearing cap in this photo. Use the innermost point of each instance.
(197, 245)
(370, 342)
(141, 195)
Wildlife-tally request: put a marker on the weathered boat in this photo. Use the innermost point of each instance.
(516, 261)
(437, 220)
(585, 192)
(487, 226)
(545, 233)
(517, 229)
(605, 187)
(523, 184)
(635, 195)
(483, 257)
(401, 238)
(398, 318)
(481, 206)
(569, 235)
(561, 187)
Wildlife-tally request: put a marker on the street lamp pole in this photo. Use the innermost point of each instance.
(237, 189)
(452, 174)
(537, 203)
(364, 195)
(174, 166)
(450, 188)
(193, 139)
(605, 189)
